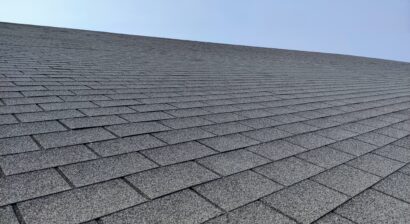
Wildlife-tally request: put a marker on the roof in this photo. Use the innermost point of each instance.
(109, 128)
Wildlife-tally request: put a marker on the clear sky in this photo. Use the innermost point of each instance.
(372, 28)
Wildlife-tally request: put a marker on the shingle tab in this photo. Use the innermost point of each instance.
(179, 208)
(289, 171)
(26, 186)
(137, 128)
(306, 201)
(375, 207)
(25, 162)
(228, 142)
(20, 129)
(237, 190)
(346, 179)
(66, 138)
(81, 204)
(86, 122)
(168, 179)
(94, 171)
(183, 135)
(375, 164)
(277, 149)
(233, 162)
(178, 153)
(7, 215)
(125, 145)
(48, 115)
(253, 213)
(17, 145)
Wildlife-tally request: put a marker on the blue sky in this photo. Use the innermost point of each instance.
(378, 28)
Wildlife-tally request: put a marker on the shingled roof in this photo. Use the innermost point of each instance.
(109, 128)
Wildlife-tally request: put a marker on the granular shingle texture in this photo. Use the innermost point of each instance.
(110, 128)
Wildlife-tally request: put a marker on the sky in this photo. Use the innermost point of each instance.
(371, 28)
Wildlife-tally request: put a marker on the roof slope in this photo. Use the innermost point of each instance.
(108, 128)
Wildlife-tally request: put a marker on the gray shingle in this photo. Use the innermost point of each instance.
(20, 129)
(86, 122)
(396, 185)
(17, 145)
(267, 134)
(137, 128)
(183, 135)
(81, 204)
(125, 145)
(149, 116)
(346, 179)
(297, 128)
(106, 111)
(58, 139)
(7, 119)
(333, 218)
(32, 100)
(306, 201)
(253, 213)
(394, 152)
(392, 132)
(375, 164)
(403, 142)
(93, 171)
(223, 117)
(326, 157)
(336, 133)
(375, 139)
(226, 128)
(7, 215)
(232, 162)
(49, 115)
(310, 140)
(289, 171)
(168, 179)
(26, 186)
(186, 122)
(260, 122)
(187, 112)
(67, 105)
(237, 190)
(19, 109)
(353, 146)
(277, 149)
(228, 142)
(183, 207)
(24, 162)
(152, 107)
(113, 103)
(374, 207)
(178, 153)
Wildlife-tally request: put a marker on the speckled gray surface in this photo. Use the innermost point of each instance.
(109, 128)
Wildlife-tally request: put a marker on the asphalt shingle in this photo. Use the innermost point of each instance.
(94, 171)
(375, 207)
(58, 139)
(26, 186)
(30, 161)
(17, 145)
(168, 179)
(125, 145)
(81, 204)
(178, 153)
(237, 190)
(346, 179)
(306, 201)
(232, 162)
(289, 171)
